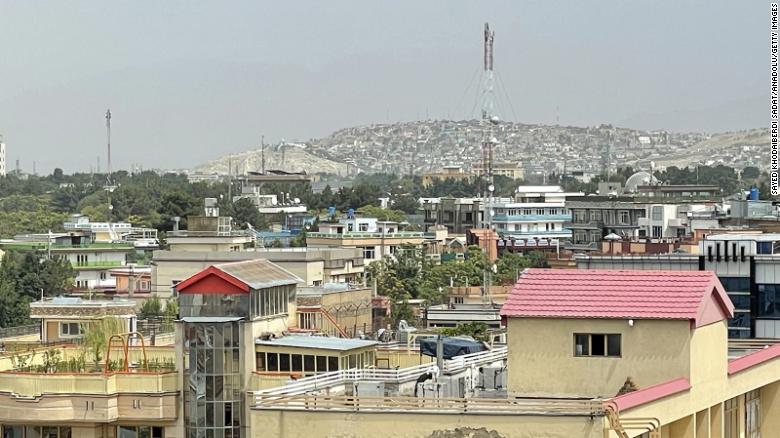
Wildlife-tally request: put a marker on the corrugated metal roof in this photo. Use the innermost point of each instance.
(259, 273)
(594, 293)
(317, 342)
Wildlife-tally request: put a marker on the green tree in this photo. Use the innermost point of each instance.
(245, 212)
(97, 334)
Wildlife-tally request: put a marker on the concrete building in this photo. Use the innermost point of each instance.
(336, 309)
(315, 266)
(447, 172)
(594, 217)
(457, 214)
(593, 354)
(65, 318)
(376, 239)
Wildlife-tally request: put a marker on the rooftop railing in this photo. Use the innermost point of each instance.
(460, 406)
(366, 235)
(336, 378)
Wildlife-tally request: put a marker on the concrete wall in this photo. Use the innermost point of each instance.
(541, 357)
(309, 424)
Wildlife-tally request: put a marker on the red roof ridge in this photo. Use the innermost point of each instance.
(755, 358)
(211, 270)
(649, 394)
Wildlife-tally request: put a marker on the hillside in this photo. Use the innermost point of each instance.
(429, 145)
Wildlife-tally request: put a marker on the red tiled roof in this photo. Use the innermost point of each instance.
(579, 293)
(754, 358)
(649, 394)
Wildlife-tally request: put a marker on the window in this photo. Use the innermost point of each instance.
(624, 217)
(597, 345)
(580, 216)
(363, 227)
(102, 275)
(735, 284)
(36, 431)
(260, 361)
(139, 432)
(657, 232)
(595, 215)
(731, 418)
(658, 213)
(70, 329)
(369, 252)
(768, 304)
(540, 211)
(752, 414)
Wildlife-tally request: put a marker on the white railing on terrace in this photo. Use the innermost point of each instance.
(459, 406)
(335, 378)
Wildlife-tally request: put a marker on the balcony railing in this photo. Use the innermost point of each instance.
(459, 406)
(366, 235)
(336, 378)
(98, 264)
(586, 246)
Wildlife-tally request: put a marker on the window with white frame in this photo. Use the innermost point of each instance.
(70, 329)
(624, 217)
(752, 414)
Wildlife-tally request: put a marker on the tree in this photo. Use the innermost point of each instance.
(97, 334)
(406, 203)
(474, 329)
(151, 308)
(245, 212)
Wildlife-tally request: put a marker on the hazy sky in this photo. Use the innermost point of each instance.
(188, 81)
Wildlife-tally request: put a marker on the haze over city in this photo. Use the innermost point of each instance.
(187, 83)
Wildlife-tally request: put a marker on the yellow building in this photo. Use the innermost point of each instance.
(447, 172)
(590, 353)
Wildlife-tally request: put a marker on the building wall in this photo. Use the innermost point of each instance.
(309, 424)
(541, 357)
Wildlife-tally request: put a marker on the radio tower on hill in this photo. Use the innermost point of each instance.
(489, 121)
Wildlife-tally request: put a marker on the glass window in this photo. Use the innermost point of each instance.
(581, 345)
(333, 363)
(741, 301)
(597, 345)
(768, 295)
(308, 363)
(297, 362)
(322, 366)
(273, 362)
(740, 320)
(658, 213)
(613, 345)
(731, 418)
(260, 361)
(752, 415)
(284, 362)
(624, 217)
(12, 431)
(735, 284)
(70, 329)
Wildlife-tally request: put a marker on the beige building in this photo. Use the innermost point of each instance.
(315, 266)
(65, 318)
(447, 172)
(336, 309)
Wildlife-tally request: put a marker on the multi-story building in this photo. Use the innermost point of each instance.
(315, 266)
(595, 217)
(593, 354)
(534, 220)
(92, 261)
(457, 214)
(376, 239)
(455, 173)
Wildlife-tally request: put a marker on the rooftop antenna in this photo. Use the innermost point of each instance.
(108, 144)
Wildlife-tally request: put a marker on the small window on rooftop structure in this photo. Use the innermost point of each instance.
(603, 345)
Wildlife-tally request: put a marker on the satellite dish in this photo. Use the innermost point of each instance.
(297, 200)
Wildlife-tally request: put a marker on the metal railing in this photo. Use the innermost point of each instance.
(476, 405)
(401, 375)
(365, 235)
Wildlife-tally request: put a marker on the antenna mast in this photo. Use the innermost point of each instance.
(489, 121)
(108, 144)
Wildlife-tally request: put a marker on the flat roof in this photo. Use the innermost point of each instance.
(212, 319)
(758, 237)
(317, 342)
